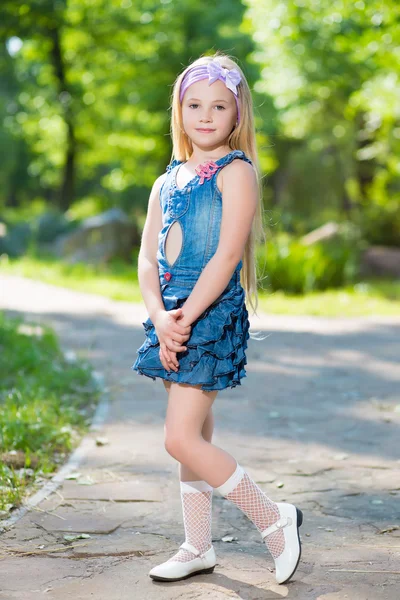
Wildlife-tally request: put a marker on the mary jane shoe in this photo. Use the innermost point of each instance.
(289, 522)
(174, 570)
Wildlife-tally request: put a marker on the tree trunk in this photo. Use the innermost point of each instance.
(280, 177)
(17, 178)
(365, 169)
(67, 188)
(346, 204)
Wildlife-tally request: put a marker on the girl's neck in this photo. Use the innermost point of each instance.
(199, 156)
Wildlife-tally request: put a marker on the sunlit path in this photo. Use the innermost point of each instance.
(316, 422)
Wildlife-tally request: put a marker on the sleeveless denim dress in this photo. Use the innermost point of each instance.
(215, 355)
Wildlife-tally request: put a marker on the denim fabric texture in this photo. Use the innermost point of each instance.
(215, 357)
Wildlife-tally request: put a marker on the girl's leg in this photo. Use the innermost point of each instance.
(187, 409)
(196, 498)
(185, 473)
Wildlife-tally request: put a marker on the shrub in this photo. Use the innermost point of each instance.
(16, 241)
(50, 225)
(291, 266)
(381, 224)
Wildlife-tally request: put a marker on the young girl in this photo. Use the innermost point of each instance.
(204, 219)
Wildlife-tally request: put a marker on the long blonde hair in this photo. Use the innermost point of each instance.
(242, 138)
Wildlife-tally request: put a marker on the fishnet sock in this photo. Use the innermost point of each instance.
(263, 512)
(196, 499)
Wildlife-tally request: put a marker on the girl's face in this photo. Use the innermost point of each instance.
(211, 108)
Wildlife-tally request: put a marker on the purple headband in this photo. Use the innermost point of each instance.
(212, 71)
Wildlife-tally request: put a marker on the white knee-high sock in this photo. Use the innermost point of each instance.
(263, 512)
(196, 497)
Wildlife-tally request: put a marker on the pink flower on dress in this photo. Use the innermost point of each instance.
(207, 170)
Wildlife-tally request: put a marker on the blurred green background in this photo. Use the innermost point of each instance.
(84, 104)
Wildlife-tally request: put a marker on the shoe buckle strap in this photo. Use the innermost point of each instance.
(190, 548)
(280, 523)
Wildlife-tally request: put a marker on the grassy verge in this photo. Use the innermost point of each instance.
(46, 405)
(119, 282)
(362, 299)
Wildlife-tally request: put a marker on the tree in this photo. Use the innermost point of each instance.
(332, 71)
(96, 77)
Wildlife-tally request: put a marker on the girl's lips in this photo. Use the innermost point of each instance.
(205, 130)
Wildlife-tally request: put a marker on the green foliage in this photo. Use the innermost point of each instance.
(12, 488)
(45, 401)
(92, 82)
(85, 103)
(380, 224)
(28, 228)
(16, 242)
(52, 224)
(25, 213)
(289, 265)
(88, 206)
(331, 69)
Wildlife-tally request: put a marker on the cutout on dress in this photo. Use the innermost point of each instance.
(173, 243)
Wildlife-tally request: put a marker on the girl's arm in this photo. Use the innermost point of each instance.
(148, 276)
(239, 204)
(171, 334)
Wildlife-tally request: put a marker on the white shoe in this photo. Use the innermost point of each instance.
(174, 570)
(289, 521)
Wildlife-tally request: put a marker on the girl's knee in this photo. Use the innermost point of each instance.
(177, 444)
(173, 444)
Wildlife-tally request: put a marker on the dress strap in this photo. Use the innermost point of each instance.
(173, 164)
(228, 158)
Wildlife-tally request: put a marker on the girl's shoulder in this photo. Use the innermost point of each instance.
(236, 163)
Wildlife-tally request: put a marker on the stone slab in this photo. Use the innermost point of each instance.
(125, 491)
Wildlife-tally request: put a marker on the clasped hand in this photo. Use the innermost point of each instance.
(172, 333)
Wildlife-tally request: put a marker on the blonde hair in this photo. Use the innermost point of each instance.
(242, 138)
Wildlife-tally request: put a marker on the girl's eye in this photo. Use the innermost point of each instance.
(217, 106)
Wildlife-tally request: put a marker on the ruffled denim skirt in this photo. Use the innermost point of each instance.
(215, 357)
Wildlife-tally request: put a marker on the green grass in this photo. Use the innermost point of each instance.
(46, 405)
(361, 299)
(119, 282)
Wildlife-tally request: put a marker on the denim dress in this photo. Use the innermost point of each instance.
(215, 356)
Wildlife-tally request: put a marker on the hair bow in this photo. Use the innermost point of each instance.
(212, 71)
(231, 77)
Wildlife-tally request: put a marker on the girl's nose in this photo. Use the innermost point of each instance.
(206, 116)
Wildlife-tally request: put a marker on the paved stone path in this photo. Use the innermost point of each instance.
(316, 422)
